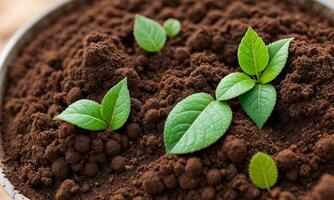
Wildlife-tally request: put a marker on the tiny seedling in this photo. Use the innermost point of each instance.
(111, 113)
(261, 64)
(200, 120)
(151, 36)
(263, 171)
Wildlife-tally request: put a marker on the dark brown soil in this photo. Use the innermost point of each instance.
(88, 50)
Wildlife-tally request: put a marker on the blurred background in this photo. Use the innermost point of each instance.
(13, 13)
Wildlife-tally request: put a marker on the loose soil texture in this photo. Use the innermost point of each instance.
(89, 49)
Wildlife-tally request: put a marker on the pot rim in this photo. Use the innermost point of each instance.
(10, 51)
(327, 3)
(27, 31)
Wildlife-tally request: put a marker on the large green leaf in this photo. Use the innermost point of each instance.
(253, 54)
(116, 105)
(84, 114)
(263, 171)
(195, 123)
(149, 34)
(259, 103)
(233, 85)
(278, 53)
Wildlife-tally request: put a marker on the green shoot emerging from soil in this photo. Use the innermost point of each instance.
(263, 171)
(112, 113)
(200, 120)
(261, 64)
(151, 36)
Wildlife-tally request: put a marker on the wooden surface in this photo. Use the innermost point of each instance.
(13, 13)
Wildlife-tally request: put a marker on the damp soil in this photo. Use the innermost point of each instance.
(90, 48)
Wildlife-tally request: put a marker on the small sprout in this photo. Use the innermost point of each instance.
(262, 63)
(263, 171)
(200, 120)
(151, 36)
(172, 27)
(90, 115)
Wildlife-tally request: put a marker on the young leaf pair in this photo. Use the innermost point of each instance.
(111, 113)
(261, 64)
(151, 36)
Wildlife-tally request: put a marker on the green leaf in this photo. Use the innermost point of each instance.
(84, 114)
(149, 34)
(278, 54)
(234, 85)
(253, 54)
(259, 103)
(172, 27)
(195, 123)
(263, 171)
(116, 105)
